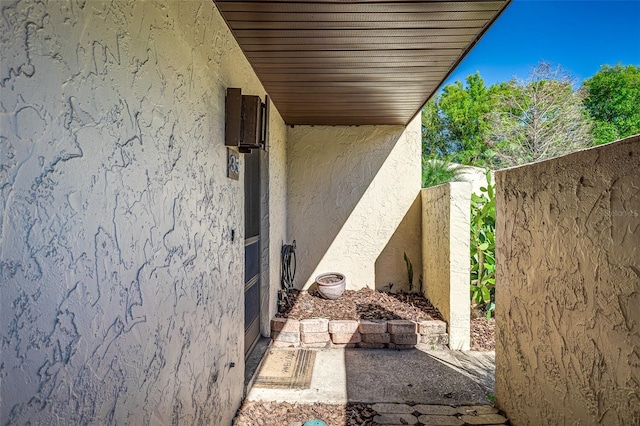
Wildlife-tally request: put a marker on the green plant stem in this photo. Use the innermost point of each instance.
(480, 267)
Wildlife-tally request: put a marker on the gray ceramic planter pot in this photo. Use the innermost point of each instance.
(331, 284)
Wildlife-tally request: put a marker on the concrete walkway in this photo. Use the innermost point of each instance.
(414, 376)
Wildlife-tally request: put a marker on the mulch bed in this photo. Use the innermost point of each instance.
(371, 304)
(360, 304)
(483, 334)
(258, 413)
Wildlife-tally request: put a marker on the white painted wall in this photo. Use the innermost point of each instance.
(120, 289)
(350, 192)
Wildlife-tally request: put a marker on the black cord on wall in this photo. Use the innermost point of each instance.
(288, 275)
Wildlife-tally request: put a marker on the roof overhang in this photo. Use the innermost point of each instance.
(355, 62)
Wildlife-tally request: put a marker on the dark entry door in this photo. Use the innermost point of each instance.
(251, 249)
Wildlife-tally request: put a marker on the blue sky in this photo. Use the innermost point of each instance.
(580, 35)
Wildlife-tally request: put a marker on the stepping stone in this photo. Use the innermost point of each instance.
(442, 410)
(440, 421)
(477, 409)
(393, 408)
(396, 419)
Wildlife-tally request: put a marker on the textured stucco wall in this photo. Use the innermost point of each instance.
(274, 221)
(121, 291)
(349, 190)
(390, 267)
(446, 264)
(568, 288)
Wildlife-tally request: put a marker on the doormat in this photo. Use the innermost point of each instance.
(286, 369)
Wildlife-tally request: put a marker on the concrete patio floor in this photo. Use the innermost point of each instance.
(415, 376)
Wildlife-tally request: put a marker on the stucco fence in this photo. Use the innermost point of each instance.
(568, 288)
(445, 256)
(446, 262)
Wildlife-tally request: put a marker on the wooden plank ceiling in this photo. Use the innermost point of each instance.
(355, 62)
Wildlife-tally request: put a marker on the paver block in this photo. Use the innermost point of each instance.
(346, 337)
(404, 339)
(322, 345)
(376, 338)
(401, 327)
(435, 339)
(343, 345)
(385, 408)
(372, 327)
(439, 420)
(473, 410)
(314, 337)
(366, 345)
(343, 326)
(432, 327)
(314, 325)
(484, 419)
(400, 347)
(276, 344)
(396, 419)
(442, 410)
(285, 324)
(286, 336)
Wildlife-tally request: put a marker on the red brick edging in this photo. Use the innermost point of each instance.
(323, 333)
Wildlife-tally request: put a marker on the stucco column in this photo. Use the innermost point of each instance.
(445, 256)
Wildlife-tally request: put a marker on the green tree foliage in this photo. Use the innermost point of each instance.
(613, 100)
(464, 109)
(454, 122)
(508, 123)
(539, 118)
(434, 142)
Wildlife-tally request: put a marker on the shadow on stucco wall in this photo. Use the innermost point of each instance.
(390, 263)
(349, 188)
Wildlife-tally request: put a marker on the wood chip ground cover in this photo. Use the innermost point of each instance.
(360, 304)
(483, 334)
(259, 413)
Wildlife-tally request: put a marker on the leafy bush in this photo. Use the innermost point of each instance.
(483, 247)
(436, 172)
